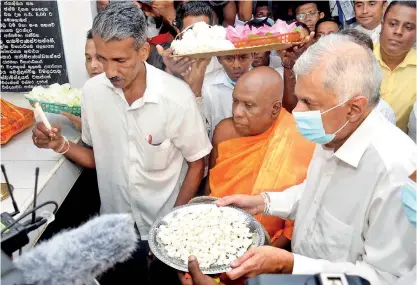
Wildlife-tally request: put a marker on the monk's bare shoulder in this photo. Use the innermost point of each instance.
(224, 131)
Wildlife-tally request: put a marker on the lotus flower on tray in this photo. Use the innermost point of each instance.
(245, 36)
(243, 32)
(202, 38)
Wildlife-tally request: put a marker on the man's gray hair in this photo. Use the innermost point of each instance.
(119, 21)
(346, 68)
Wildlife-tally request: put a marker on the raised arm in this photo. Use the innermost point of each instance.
(245, 10)
(387, 253)
(53, 139)
(229, 13)
(289, 57)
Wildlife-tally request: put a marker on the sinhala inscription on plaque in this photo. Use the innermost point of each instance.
(32, 52)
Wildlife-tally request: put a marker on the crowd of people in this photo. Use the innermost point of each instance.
(318, 141)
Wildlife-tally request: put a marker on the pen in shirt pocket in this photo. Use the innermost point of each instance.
(149, 140)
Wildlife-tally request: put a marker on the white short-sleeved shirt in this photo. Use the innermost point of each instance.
(217, 94)
(385, 109)
(135, 176)
(348, 212)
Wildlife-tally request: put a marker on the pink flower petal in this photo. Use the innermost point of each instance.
(232, 34)
(246, 31)
(263, 30)
(281, 27)
(242, 32)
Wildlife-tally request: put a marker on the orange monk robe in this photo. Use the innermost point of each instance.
(272, 161)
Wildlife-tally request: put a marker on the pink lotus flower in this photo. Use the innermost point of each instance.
(242, 32)
(263, 30)
(232, 33)
(281, 27)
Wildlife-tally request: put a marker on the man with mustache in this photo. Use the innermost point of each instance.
(397, 58)
(146, 137)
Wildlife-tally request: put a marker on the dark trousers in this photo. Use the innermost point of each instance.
(140, 270)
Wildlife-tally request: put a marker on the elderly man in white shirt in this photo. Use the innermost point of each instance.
(147, 139)
(142, 132)
(348, 214)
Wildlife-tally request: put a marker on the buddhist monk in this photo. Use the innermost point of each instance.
(259, 148)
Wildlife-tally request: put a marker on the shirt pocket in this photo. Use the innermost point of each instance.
(157, 157)
(331, 238)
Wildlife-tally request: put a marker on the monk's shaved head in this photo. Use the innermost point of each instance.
(263, 82)
(257, 100)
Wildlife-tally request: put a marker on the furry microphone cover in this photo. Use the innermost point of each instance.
(77, 256)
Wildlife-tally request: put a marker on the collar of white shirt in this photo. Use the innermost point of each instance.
(377, 29)
(355, 146)
(152, 92)
(222, 78)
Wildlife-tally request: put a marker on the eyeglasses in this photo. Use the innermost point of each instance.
(302, 16)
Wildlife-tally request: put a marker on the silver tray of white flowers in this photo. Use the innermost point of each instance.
(216, 236)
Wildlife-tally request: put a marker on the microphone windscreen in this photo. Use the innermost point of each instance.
(78, 255)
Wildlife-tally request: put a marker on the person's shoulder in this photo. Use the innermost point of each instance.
(170, 88)
(95, 86)
(387, 135)
(213, 66)
(96, 81)
(412, 118)
(275, 61)
(164, 79)
(384, 108)
(225, 130)
(211, 78)
(394, 147)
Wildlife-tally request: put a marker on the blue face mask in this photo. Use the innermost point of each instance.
(408, 197)
(310, 125)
